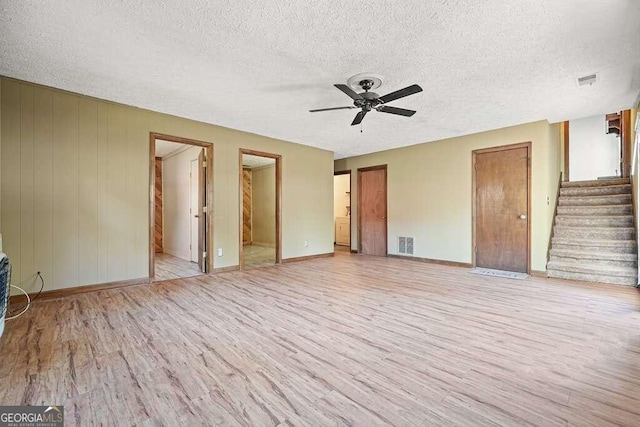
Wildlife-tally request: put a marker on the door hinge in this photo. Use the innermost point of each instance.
(204, 209)
(204, 164)
(204, 255)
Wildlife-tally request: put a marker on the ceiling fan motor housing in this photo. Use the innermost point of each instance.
(370, 100)
(370, 95)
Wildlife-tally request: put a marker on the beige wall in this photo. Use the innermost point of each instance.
(340, 195)
(429, 190)
(75, 187)
(592, 152)
(263, 206)
(176, 197)
(556, 140)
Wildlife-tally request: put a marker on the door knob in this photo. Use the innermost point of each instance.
(523, 216)
(196, 216)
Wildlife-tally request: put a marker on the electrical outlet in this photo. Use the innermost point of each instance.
(219, 251)
(306, 243)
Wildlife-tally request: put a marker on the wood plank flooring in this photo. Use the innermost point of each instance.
(258, 256)
(347, 340)
(169, 267)
(341, 248)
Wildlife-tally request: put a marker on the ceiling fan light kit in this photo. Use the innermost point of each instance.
(367, 101)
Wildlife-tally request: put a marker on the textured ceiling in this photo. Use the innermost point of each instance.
(259, 66)
(165, 148)
(251, 161)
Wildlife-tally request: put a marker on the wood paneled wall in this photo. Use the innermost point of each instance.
(158, 236)
(71, 191)
(75, 189)
(246, 206)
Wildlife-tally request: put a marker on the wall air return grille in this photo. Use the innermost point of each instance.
(405, 245)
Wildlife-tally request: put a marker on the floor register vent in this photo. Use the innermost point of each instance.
(405, 245)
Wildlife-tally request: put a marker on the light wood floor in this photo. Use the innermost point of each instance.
(169, 267)
(332, 341)
(258, 256)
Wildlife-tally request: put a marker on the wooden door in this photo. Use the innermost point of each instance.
(246, 206)
(372, 210)
(502, 208)
(202, 212)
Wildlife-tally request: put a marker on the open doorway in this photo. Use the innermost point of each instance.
(260, 222)
(597, 147)
(342, 211)
(181, 183)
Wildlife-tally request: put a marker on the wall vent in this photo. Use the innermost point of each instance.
(587, 80)
(405, 245)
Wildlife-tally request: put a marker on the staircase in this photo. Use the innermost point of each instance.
(594, 236)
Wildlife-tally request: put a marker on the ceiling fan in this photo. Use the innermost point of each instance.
(368, 101)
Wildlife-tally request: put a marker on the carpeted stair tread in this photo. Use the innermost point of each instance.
(595, 183)
(595, 210)
(595, 221)
(593, 255)
(621, 246)
(594, 242)
(594, 258)
(599, 200)
(608, 233)
(595, 191)
(599, 278)
(587, 268)
(594, 228)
